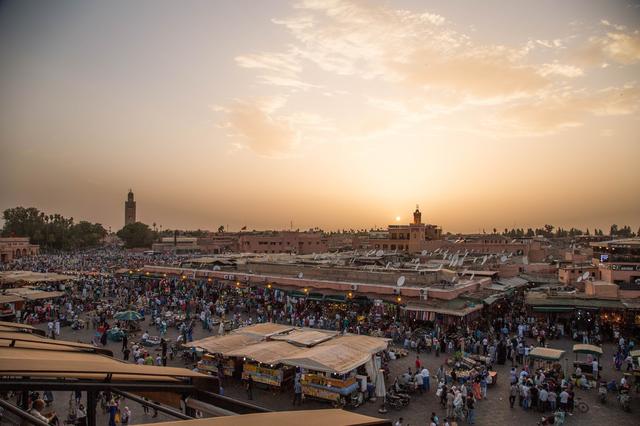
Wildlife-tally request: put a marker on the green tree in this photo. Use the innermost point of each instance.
(136, 234)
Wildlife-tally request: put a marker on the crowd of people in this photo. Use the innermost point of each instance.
(505, 336)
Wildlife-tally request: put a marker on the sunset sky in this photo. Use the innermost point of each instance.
(334, 114)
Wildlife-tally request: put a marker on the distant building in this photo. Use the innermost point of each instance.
(129, 209)
(618, 262)
(411, 238)
(293, 242)
(16, 247)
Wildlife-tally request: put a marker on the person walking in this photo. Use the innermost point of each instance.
(471, 410)
(425, 379)
(512, 394)
(297, 393)
(249, 387)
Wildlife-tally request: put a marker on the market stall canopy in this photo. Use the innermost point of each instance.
(224, 344)
(29, 277)
(587, 349)
(18, 339)
(266, 352)
(332, 417)
(56, 363)
(305, 337)
(546, 354)
(360, 343)
(32, 294)
(18, 327)
(264, 330)
(335, 358)
(10, 298)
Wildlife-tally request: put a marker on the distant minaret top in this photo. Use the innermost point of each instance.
(130, 195)
(417, 216)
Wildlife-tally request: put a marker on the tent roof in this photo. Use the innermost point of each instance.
(546, 353)
(333, 358)
(332, 417)
(587, 349)
(225, 344)
(305, 336)
(10, 298)
(266, 352)
(360, 343)
(19, 339)
(264, 329)
(74, 364)
(10, 277)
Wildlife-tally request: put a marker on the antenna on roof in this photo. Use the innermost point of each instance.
(400, 281)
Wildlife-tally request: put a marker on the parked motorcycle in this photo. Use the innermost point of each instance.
(602, 393)
(625, 400)
(397, 400)
(557, 419)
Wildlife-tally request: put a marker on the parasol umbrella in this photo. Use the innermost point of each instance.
(381, 390)
(128, 316)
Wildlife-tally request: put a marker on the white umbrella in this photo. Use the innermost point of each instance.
(381, 390)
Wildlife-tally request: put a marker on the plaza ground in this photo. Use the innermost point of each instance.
(494, 410)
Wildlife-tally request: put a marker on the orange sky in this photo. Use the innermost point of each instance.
(335, 114)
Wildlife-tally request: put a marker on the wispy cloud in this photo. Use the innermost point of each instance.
(419, 67)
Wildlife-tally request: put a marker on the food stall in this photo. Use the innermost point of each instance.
(467, 367)
(586, 366)
(261, 362)
(329, 373)
(549, 360)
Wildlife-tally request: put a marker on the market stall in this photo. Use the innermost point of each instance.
(586, 363)
(549, 360)
(329, 373)
(467, 367)
(261, 361)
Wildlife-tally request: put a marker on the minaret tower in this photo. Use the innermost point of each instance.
(129, 209)
(417, 216)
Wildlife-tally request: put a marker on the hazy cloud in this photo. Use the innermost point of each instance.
(616, 44)
(569, 109)
(259, 128)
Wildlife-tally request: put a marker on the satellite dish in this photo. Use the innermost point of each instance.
(401, 280)
(379, 253)
(472, 275)
(216, 268)
(503, 258)
(484, 260)
(454, 280)
(525, 260)
(388, 264)
(300, 275)
(424, 252)
(439, 267)
(585, 276)
(579, 279)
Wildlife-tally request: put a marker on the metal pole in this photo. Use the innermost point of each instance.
(91, 408)
(161, 408)
(26, 416)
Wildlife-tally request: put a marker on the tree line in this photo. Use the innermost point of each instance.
(550, 231)
(51, 231)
